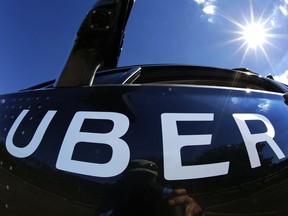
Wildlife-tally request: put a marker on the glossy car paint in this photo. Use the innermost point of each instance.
(67, 146)
(37, 176)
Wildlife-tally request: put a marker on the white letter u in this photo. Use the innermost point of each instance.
(22, 152)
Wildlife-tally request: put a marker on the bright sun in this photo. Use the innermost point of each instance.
(254, 35)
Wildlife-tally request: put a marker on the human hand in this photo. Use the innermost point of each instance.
(180, 197)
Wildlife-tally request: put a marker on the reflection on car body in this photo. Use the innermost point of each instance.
(145, 139)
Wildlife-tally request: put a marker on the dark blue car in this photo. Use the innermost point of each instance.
(146, 139)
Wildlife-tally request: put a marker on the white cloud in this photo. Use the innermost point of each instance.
(282, 77)
(210, 20)
(199, 1)
(264, 106)
(283, 10)
(209, 9)
(278, 14)
(273, 22)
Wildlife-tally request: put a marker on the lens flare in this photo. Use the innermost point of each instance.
(254, 35)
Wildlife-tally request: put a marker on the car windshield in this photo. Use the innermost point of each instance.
(218, 33)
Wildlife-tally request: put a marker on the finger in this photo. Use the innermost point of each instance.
(193, 209)
(178, 192)
(182, 199)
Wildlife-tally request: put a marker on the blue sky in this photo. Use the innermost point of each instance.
(210, 33)
(36, 37)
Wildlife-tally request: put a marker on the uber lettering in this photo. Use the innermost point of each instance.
(172, 143)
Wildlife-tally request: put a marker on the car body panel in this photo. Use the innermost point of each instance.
(147, 109)
(102, 140)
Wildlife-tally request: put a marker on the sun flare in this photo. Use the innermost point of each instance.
(254, 35)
